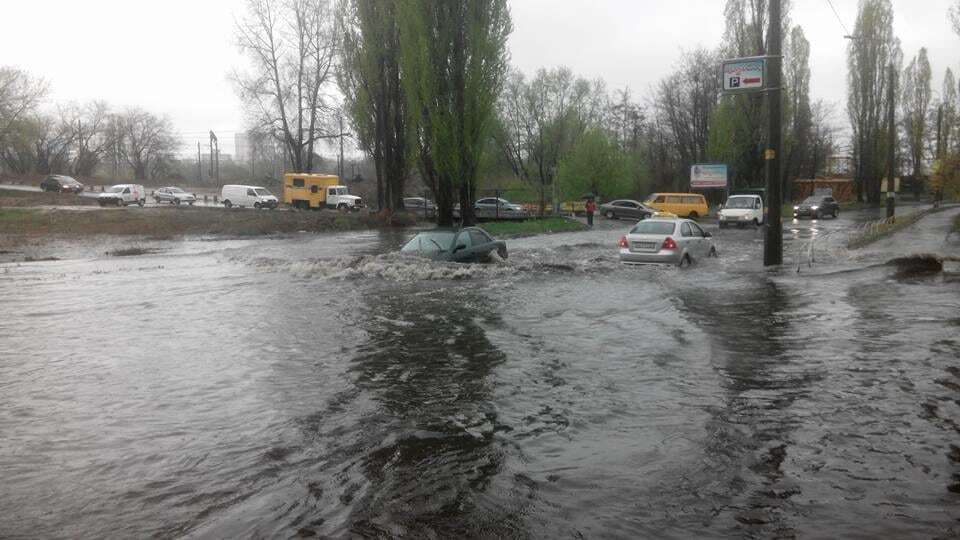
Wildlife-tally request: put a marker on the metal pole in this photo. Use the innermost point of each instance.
(773, 242)
(199, 165)
(340, 165)
(891, 143)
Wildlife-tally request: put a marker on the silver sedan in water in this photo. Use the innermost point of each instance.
(666, 241)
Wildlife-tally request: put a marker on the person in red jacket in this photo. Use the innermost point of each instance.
(591, 208)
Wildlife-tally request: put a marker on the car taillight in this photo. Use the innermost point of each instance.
(623, 242)
(669, 244)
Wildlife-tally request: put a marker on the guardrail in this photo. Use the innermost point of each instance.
(875, 230)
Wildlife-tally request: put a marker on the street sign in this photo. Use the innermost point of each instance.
(744, 75)
(703, 176)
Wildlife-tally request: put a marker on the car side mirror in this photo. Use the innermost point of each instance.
(459, 247)
(707, 235)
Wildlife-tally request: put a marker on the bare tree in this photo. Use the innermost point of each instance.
(685, 102)
(89, 137)
(822, 137)
(541, 120)
(20, 94)
(146, 142)
(291, 46)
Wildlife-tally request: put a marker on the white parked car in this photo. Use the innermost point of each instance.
(742, 210)
(122, 195)
(247, 196)
(666, 239)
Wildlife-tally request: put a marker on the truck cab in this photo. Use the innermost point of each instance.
(314, 191)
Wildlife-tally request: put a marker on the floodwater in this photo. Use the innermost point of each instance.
(318, 385)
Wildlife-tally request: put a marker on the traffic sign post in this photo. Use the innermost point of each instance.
(744, 75)
(763, 74)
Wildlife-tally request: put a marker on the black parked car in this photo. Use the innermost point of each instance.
(626, 208)
(817, 207)
(469, 244)
(61, 184)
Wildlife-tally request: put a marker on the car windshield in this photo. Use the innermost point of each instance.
(175, 190)
(429, 242)
(811, 200)
(115, 189)
(740, 202)
(653, 227)
(262, 192)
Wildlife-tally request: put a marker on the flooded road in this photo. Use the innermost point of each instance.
(319, 385)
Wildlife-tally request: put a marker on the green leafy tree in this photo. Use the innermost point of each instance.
(369, 77)
(872, 49)
(454, 62)
(595, 165)
(915, 107)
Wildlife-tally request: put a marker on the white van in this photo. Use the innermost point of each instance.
(122, 195)
(742, 210)
(247, 196)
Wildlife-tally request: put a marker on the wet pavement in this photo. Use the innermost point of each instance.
(321, 385)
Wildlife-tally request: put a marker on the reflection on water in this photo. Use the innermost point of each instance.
(317, 386)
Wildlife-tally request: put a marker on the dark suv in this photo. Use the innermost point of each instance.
(61, 184)
(817, 207)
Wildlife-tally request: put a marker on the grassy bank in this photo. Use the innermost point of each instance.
(24, 223)
(531, 227)
(20, 199)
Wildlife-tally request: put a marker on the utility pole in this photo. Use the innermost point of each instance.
(199, 165)
(891, 143)
(340, 164)
(773, 242)
(214, 157)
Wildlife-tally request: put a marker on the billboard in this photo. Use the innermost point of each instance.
(744, 75)
(703, 176)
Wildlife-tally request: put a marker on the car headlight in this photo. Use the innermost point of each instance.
(814, 207)
(796, 207)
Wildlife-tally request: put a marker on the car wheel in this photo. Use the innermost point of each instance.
(713, 252)
(836, 213)
(343, 208)
(256, 205)
(693, 215)
(816, 214)
(176, 202)
(120, 202)
(610, 214)
(227, 204)
(685, 261)
(756, 222)
(141, 203)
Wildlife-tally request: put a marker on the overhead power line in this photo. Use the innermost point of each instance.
(839, 20)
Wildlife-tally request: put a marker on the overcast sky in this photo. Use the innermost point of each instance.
(173, 57)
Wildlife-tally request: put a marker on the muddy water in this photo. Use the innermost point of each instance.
(319, 385)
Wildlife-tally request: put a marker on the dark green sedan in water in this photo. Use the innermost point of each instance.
(469, 244)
